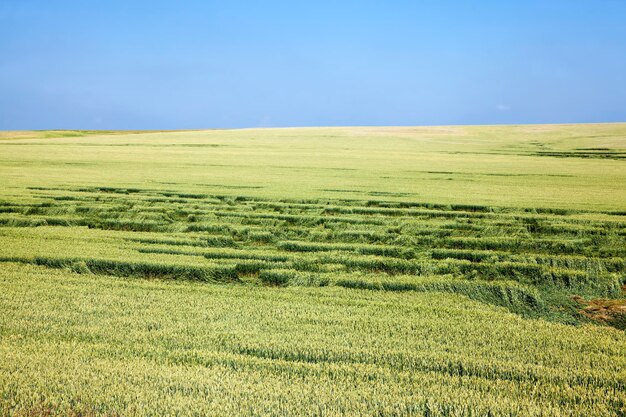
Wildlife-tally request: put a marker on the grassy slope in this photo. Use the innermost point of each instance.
(96, 345)
(83, 343)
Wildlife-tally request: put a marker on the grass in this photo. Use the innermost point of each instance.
(229, 350)
(446, 271)
(476, 165)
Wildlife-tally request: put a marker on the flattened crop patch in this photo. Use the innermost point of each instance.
(611, 312)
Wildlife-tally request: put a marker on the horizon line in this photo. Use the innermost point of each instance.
(311, 127)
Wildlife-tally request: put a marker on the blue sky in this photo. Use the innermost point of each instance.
(207, 64)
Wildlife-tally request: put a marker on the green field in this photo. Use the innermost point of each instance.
(408, 271)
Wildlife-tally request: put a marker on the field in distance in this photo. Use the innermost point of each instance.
(400, 271)
(561, 166)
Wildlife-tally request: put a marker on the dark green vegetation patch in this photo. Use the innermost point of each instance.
(531, 262)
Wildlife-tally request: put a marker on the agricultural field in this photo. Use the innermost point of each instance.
(407, 271)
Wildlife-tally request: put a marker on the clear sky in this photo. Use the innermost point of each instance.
(208, 64)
